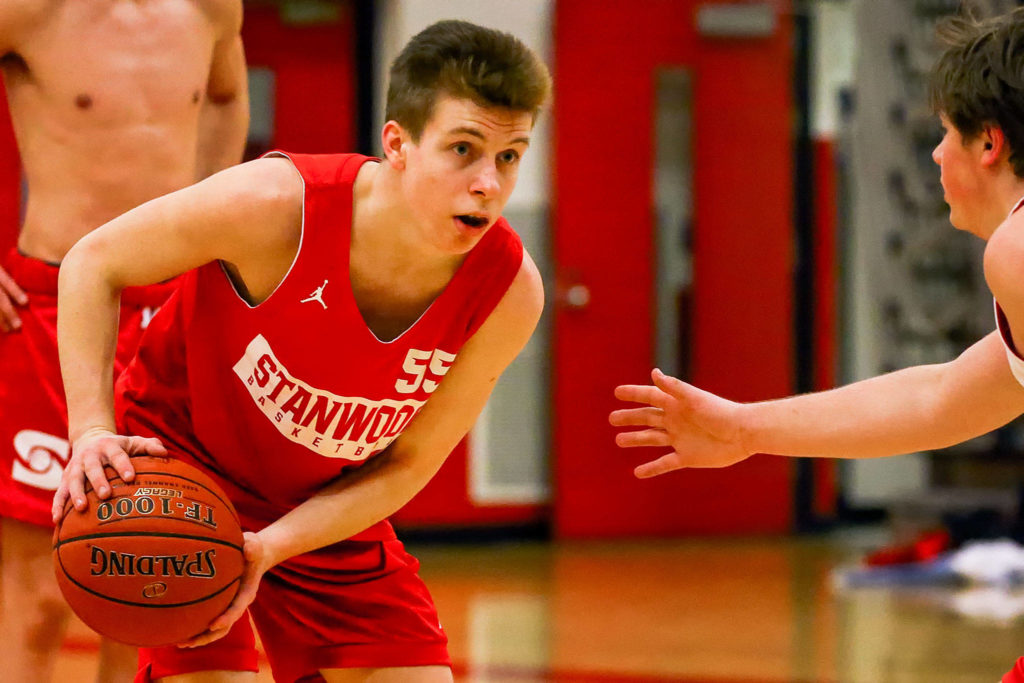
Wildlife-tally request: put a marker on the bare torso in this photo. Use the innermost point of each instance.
(105, 98)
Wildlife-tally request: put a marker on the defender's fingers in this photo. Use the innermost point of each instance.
(670, 385)
(666, 463)
(646, 437)
(638, 417)
(639, 393)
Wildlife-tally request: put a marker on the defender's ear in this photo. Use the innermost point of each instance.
(393, 139)
(995, 144)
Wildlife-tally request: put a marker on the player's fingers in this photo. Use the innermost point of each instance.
(8, 285)
(638, 417)
(60, 499)
(76, 485)
(154, 446)
(137, 445)
(637, 393)
(666, 463)
(644, 437)
(93, 468)
(204, 638)
(8, 316)
(120, 460)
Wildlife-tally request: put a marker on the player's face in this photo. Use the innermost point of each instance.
(459, 175)
(962, 181)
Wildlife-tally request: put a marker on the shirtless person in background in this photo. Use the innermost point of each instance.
(114, 102)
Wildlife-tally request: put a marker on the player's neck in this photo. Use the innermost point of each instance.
(1008, 192)
(385, 230)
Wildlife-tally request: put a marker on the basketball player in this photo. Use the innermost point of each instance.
(977, 91)
(113, 103)
(348, 325)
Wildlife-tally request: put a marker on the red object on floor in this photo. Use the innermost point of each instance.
(928, 546)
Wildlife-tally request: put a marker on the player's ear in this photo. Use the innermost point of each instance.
(994, 144)
(394, 139)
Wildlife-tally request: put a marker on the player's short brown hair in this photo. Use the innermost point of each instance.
(979, 78)
(460, 59)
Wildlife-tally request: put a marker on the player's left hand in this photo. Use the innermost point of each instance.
(257, 562)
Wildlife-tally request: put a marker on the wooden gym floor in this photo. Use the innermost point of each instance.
(690, 611)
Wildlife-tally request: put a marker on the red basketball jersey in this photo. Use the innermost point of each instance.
(276, 400)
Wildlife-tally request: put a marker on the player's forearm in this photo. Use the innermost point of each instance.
(87, 323)
(353, 504)
(223, 126)
(919, 408)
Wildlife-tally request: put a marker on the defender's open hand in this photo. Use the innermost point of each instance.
(703, 430)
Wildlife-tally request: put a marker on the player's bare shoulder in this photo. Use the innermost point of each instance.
(18, 18)
(530, 285)
(1004, 260)
(268, 191)
(518, 312)
(225, 16)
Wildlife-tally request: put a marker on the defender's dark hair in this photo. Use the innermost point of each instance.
(979, 78)
(460, 59)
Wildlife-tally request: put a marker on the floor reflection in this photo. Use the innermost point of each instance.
(758, 610)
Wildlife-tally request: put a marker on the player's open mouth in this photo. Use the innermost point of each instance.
(472, 221)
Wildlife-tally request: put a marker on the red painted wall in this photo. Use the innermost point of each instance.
(605, 57)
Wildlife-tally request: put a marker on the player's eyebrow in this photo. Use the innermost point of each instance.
(467, 130)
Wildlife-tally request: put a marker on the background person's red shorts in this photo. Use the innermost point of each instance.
(353, 604)
(33, 413)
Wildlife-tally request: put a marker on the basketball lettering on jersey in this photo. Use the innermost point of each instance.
(333, 426)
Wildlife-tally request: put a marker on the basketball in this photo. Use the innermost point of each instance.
(156, 562)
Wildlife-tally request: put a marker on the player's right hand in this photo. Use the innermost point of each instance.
(11, 296)
(703, 430)
(89, 454)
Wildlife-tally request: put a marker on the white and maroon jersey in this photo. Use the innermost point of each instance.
(276, 400)
(1013, 354)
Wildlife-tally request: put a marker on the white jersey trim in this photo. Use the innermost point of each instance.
(1012, 355)
(1016, 362)
(302, 238)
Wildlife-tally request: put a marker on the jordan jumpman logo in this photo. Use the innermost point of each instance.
(317, 296)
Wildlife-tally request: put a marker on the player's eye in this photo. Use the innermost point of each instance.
(509, 157)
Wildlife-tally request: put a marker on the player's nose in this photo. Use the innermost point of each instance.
(485, 182)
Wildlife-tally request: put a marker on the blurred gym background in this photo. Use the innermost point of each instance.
(740, 193)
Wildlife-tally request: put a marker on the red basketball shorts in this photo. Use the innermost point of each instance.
(1016, 674)
(33, 413)
(353, 604)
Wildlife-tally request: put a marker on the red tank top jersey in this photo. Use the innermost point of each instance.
(276, 400)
